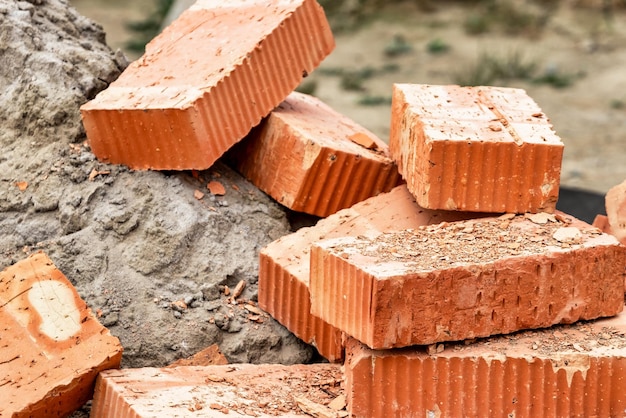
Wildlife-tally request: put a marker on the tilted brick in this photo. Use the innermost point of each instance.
(51, 345)
(205, 81)
(312, 159)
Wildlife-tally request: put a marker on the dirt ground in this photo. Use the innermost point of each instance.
(579, 44)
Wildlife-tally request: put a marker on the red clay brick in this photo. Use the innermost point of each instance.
(569, 371)
(616, 211)
(482, 149)
(284, 264)
(51, 345)
(205, 82)
(215, 391)
(466, 279)
(312, 159)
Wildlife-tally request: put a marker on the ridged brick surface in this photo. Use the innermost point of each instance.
(241, 390)
(309, 158)
(467, 279)
(284, 264)
(482, 149)
(568, 371)
(205, 82)
(51, 345)
(616, 211)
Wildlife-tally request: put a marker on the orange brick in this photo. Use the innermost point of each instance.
(482, 149)
(569, 371)
(284, 264)
(215, 391)
(616, 211)
(466, 279)
(205, 82)
(312, 159)
(51, 345)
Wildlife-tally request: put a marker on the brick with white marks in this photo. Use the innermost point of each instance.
(51, 345)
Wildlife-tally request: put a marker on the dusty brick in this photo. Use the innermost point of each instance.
(482, 149)
(51, 345)
(205, 81)
(284, 264)
(215, 391)
(616, 211)
(566, 371)
(312, 159)
(466, 279)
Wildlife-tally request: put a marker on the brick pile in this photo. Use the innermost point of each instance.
(439, 295)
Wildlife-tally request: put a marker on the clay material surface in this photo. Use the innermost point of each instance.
(218, 391)
(466, 279)
(284, 264)
(482, 149)
(205, 81)
(565, 371)
(51, 345)
(312, 159)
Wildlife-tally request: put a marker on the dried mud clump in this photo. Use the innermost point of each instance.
(54, 60)
(152, 253)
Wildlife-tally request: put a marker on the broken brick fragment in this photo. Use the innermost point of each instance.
(212, 391)
(312, 159)
(205, 81)
(616, 211)
(51, 345)
(466, 279)
(482, 149)
(567, 371)
(284, 264)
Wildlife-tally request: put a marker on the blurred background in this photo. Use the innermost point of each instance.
(569, 55)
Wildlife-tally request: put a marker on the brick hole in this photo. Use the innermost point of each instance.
(479, 297)
(538, 269)
(550, 309)
(552, 268)
(519, 301)
(493, 316)
(503, 303)
(551, 290)
(535, 312)
(519, 280)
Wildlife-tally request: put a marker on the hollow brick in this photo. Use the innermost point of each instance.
(205, 81)
(566, 371)
(51, 345)
(482, 149)
(240, 390)
(312, 159)
(284, 264)
(466, 279)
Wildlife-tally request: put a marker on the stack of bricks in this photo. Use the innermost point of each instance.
(396, 277)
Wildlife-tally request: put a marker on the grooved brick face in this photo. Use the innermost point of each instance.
(205, 81)
(467, 279)
(312, 159)
(566, 371)
(241, 390)
(475, 148)
(51, 346)
(284, 264)
(616, 211)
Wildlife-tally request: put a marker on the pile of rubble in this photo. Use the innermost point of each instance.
(410, 286)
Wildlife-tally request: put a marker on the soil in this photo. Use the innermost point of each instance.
(152, 253)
